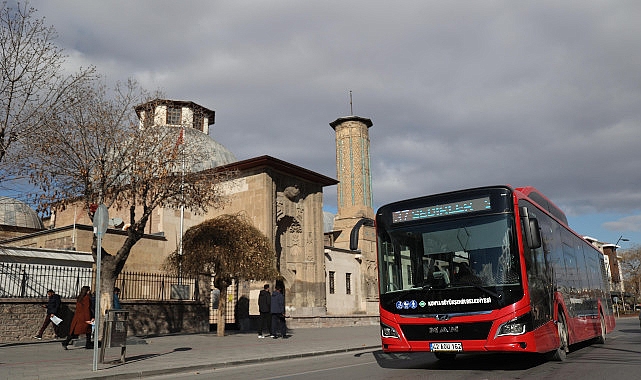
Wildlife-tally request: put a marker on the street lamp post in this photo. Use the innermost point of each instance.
(616, 245)
(621, 238)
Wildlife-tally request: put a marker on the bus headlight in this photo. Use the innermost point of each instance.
(517, 326)
(388, 332)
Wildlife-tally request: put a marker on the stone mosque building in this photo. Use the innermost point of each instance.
(323, 277)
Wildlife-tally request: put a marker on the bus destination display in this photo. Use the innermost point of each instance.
(445, 209)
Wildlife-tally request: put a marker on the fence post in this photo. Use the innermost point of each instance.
(122, 287)
(23, 284)
(196, 289)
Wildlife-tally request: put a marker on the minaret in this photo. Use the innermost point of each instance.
(353, 167)
(355, 200)
(354, 189)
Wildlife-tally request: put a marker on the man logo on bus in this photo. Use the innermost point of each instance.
(443, 329)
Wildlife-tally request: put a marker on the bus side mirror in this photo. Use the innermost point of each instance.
(531, 229)
(353, 236)
(535, 234)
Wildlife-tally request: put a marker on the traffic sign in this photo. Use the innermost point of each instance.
(101, 220)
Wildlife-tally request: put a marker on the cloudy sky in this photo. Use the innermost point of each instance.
(461, 93)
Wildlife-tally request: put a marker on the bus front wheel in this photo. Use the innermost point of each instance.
(560, 353)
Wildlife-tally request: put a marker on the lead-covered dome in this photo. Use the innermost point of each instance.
(195, 120)
(216, 153)
(18, 214)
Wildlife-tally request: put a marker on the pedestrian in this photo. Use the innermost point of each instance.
(117, 298)
(278, 313)
(264, 307)
(82, 319)
(52, 306)
(242, 313)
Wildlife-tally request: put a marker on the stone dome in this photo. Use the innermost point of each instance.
(18, 214)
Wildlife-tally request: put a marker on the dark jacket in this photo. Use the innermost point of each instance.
(53, 304)
(278, 303)
(264, 301)
(116, 302)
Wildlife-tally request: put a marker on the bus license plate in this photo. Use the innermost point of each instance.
(434, 347)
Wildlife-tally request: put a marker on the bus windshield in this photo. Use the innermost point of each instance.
(477, 252)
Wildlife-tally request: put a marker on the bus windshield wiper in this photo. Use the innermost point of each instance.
(485, 290)
(422, 286)
(417, 287)
(489, 292)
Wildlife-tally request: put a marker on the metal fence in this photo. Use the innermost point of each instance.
(19, 280)
(33, 281)
(151, 286)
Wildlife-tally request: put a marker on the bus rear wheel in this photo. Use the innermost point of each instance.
(445, 356)
(560, 353)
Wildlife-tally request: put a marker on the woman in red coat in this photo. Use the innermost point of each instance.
(82, 318)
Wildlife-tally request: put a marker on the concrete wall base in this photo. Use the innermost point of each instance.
(333, 321)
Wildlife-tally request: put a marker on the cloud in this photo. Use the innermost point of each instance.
(628, 223)
(461, 93)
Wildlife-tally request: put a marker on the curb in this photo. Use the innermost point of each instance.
(200, 367)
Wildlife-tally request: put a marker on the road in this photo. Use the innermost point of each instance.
(619, 358)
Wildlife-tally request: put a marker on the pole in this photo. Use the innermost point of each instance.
(100, 224)
(182, 212)
(96, 322)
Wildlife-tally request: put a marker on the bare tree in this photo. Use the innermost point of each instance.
(229, 247)
(32, 82)
(95, 152)
(631, 265)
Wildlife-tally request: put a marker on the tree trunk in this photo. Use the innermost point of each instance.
(107, 283)
(112, 265)
(222, 306)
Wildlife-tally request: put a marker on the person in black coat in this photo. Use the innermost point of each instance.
(264, 307)
(52, 306)
(278, 314)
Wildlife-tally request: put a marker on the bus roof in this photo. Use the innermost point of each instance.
(540, 199)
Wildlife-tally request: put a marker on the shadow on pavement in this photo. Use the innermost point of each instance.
(480, 361)
(138, 358)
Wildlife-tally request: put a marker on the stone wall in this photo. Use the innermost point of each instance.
(333, 321)
(166, 317)
(22, 318)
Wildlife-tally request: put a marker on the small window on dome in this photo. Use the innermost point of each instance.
(199, 121)
(174, 115)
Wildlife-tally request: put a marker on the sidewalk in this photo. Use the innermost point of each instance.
(177, 353)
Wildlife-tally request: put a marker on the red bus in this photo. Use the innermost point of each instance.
(491, 269)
